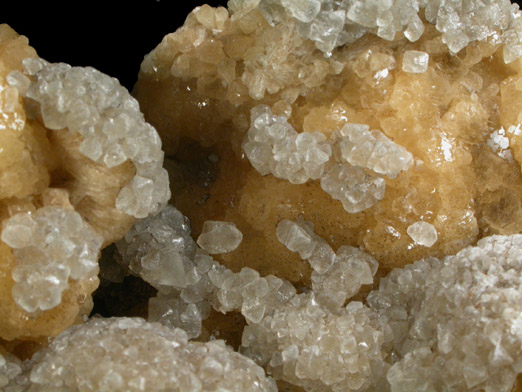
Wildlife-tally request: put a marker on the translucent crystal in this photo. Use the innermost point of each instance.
(51, 245)
(133, 355)
(219, 237)
(273, 146)
(422, 233)
(296, 238)
(160, 249)
(455, 320)
(414, 61)
(10, 369)
(319, 350)
(88, 102)
(351, 269)
(338, 22)
(303, 10)
(373, 150)
(356, 189)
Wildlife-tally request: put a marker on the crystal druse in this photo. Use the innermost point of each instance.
(346, 210)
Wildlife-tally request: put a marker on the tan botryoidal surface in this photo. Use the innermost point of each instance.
(200, 84)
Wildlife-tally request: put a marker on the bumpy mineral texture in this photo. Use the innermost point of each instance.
(129, 354)
(437, 324)
(78, 165)
(392, 126)
(348, 204)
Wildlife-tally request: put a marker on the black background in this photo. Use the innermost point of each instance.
(110, 36)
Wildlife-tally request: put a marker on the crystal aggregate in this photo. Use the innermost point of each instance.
(88, 102)
(51, 245)
(450, 321)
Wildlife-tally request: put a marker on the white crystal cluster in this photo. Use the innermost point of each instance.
(130, 354)
(159, 249)
(51, 246)
(373, 150)
(307, 345)
(348, 164)
(332, 23)
(448, 324)
(457, 321)
(309, 339)
(96, 106)
(10, 368)
(498, 141)
(273, 146)
(337, 276)
(356, 189)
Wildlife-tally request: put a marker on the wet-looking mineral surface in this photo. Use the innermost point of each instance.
(346, 210)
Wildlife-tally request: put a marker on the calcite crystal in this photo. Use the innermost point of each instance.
(133, 355)
(346, 215)
(365, 117)
(409, 336)
(456, 321)
(78, 165)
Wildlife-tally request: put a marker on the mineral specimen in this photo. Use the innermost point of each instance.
(51, 246)
(129, 354)
(78, 165)
(351, 173)
(282, 325)
(364, 116)
(456, 321)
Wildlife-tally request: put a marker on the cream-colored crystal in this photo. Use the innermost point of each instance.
(51, 245)
(50, 188)
(219, 237)
(96, 106)
(130, 354)
(422, 233)
(456, 321)
(220, 92)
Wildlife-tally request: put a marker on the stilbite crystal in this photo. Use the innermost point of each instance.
(351, 171)
(456, 321)
(58, 196)
(318, 114)
(129, 354)
(219, 237)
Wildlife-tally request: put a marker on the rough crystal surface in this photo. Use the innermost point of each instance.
(51, 245)
(96, 106)
(43, 168)
(333, 23)
(130, 354)
(243, 84)
(386, 130)
(455, 321)
(10, 368)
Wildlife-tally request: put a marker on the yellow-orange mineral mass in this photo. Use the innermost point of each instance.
(78, 165)
(403, 140)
